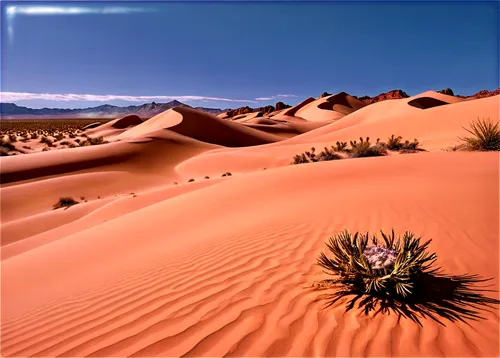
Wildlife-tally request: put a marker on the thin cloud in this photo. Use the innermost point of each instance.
(25, 96)
(274, 97)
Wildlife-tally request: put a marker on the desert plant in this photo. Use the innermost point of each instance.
(365, 149)
(59, 137)
(227, 174)
(65, 201)
(207, 177)
(388, 268)
(300, 159)
(46, 140)
(394, 143)
(328, 154)
(96, 141)
(485, 136)
(190, 180)
(340, 146)
(13, 138)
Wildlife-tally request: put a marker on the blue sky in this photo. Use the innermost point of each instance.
(230, 54)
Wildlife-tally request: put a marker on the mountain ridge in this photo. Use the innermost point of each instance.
(148, 110)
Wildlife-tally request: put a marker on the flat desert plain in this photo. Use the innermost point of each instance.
(194, 235)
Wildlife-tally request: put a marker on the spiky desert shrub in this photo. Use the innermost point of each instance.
(47, 141)
(300, 159)
(387, 268)
(394, 143)
(96, 141)
(328, 154)
(311, 157)
(365, 149)
(340, 146)
(65, 201)
(485, 135)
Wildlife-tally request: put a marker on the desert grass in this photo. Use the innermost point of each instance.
(397, 275)
(485, 136)
(364, 148)
(65, 202)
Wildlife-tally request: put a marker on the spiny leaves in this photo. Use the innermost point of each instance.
(485, 136)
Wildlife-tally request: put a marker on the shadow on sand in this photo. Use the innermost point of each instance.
(437, 296)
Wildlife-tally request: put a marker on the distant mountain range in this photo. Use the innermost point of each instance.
(147, 110)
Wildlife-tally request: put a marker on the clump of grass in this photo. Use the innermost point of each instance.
(485, 136)
(227, 174)
(365, 149)
(387, 267)
(65, 201)
(34, 135)
(13, 138)
(47, 141)
(328, 154)
(394, 143)
(96, 141)
(311, 157)
(340, 147)
(59, 137)
(397, 276)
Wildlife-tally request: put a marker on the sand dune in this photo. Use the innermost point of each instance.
(230, 285)
(188, 122)
(92, 172)
(165, 256)
(330, 108)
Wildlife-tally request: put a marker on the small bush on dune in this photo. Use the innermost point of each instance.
(96, 141)
(394, 143)
(46, 140)
(190, 180)
(65, 201)
(340, 147)
(365, 149)
(13, 138)
(311, 157)
(485, 136)
(328, 154)
(227, 174)
(396, 274)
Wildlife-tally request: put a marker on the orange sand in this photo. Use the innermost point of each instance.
(218, 266)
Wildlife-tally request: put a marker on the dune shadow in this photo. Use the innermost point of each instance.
(426, 102)
(436, 296)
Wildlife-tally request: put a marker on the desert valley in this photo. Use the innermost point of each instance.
(198, 234)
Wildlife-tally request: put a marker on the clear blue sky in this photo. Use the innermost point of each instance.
(244, 51)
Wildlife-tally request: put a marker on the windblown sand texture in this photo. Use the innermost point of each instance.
(152, 264)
